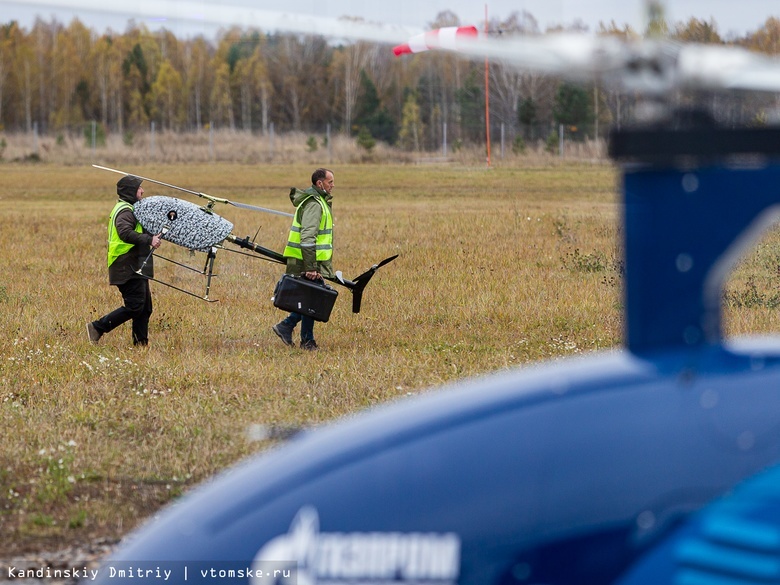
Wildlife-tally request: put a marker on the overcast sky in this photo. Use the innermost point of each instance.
(738, 15)
(731, 16)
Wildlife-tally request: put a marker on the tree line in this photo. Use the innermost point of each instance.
(57, 78)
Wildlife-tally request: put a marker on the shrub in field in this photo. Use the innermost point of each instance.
(94, 135)
(518, 145)
(552, 143)
(365, 140)
(750, 296)
(579, 262)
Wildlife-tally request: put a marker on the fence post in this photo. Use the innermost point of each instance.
(560, 140)
(35, 139)
(330, 147)
(271, 139)
(444, 140)
(94, 138)
(502, 140)
(212, 157)
(151, 142)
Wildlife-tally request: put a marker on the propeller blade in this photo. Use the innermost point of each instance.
(151, 180)
(567, 54)
(446, 38)
(653, 66)
(256, 208)
(229, 15)
(198, 193)
(386, 261)
(716, 67)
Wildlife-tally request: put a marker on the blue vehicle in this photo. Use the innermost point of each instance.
(615, 468)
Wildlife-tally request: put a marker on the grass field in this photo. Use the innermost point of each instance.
(497, 268)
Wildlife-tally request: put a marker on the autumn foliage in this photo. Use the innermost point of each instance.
(56, 78)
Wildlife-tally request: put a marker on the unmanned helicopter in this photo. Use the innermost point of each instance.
(654, 464)
(200, 229)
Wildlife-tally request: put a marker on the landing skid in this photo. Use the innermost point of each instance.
(208, 272)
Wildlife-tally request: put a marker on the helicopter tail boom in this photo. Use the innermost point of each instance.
(356, 286)
(247, 244)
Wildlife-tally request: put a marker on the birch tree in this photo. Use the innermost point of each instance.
(7, 34)
(221, 102)
(166, 92)
(197, 77)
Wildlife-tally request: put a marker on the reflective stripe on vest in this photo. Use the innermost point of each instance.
(117, 246)
(324, 239)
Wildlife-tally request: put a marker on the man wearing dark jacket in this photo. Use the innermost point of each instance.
(128, 246)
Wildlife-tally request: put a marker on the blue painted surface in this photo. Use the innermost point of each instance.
(684, 229)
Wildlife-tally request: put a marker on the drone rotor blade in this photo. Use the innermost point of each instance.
(149, 180)
(560, 53)
(256, 208)
(719, 67)
(228, 15)
(654, 65)
(446, 38)
(199, 194)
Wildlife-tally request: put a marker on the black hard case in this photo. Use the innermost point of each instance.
(298, 294)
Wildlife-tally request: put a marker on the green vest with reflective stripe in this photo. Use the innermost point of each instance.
(117, 246)
(324, 239)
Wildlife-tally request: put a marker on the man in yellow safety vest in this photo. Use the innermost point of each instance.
(128, 245)
(309, 247)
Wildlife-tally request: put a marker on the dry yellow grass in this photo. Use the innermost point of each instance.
(237, 146)
(497, 268)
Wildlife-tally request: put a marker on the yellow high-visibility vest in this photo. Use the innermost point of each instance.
(324, 239)
(117, 246)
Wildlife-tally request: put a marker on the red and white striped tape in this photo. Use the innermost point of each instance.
(441, 38)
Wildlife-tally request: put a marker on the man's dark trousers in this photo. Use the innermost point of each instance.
(137, 297)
